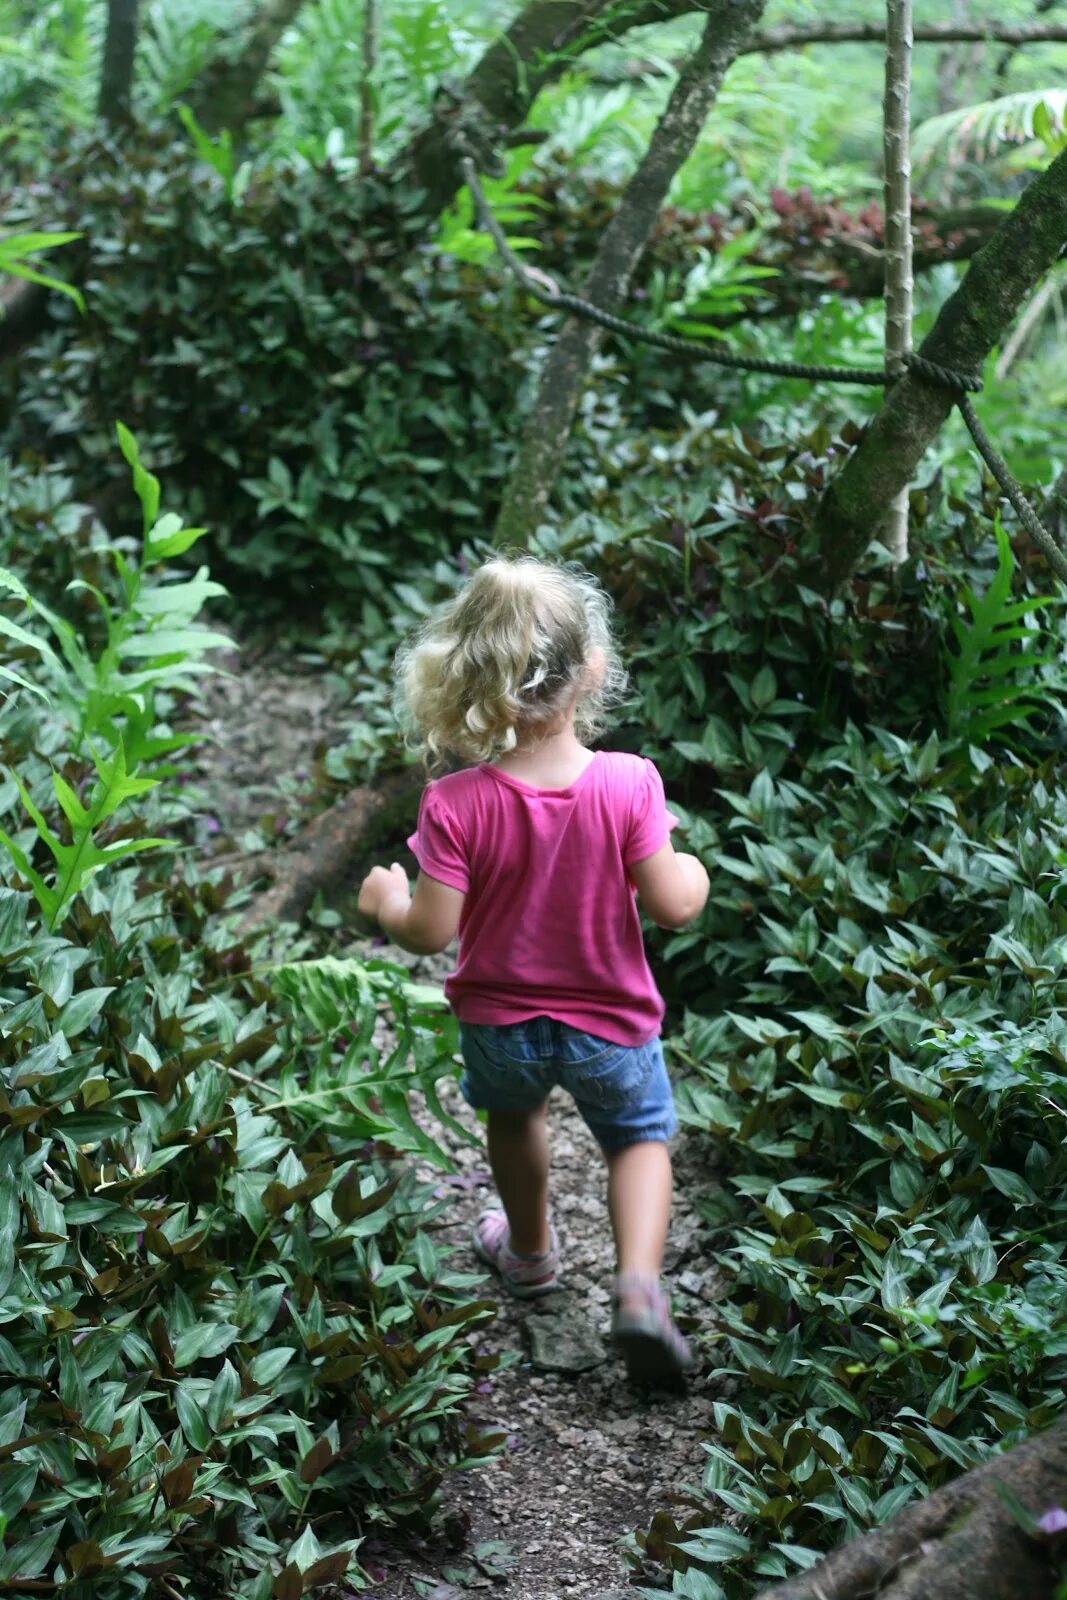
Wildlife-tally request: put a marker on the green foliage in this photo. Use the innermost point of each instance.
(325, 410)
(867, 1015)
(152, 648)
(992, 685)
(230, 1346)
(327, 993)
(17, 248)
(1035, 116)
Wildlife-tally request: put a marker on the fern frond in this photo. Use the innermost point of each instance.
(977, 130)
(993, 677)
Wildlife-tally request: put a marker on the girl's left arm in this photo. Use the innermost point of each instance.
(424, 922)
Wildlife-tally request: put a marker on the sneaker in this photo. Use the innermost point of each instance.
(642, 1331)
(524, 1276)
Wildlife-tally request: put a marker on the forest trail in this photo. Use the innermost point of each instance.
(587, 1458)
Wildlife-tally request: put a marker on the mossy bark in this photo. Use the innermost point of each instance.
(970, 324)
(116, 74)
(542, 42)
(534, 472)
(962, 1543)
(226, 93)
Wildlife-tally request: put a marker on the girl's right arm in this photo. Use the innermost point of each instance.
(672, 887)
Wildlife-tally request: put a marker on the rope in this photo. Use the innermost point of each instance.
(962, 384)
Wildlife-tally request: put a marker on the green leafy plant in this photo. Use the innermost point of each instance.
(720, 283)
(994, 680)
(1036, 115)
(233, 1347)
(16, 251)
(327, 993)
(152, 648)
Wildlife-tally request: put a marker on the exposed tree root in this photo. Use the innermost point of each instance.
(963, 1543)
(321, 858)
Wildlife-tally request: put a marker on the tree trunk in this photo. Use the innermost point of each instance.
(962, 1543)
(998, 281)
(545, 38)
(534, 471)
(225, 95)
(898, 278)
(367, 89)
(116, 75)
(1054, 511)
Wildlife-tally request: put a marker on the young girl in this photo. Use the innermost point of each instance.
(533, 853)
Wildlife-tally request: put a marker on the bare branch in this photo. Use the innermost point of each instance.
(772, 40)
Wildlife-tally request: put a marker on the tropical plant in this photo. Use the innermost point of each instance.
(17, 250)
(992, 685)
(1030, 116)
(231, 1348)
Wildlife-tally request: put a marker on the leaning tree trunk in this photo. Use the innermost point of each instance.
(962, 1543)
(1054, 511)
(116, 75)
(545, 38)
(226, 93)
(997, 283)
(534, 471)
(898, 277)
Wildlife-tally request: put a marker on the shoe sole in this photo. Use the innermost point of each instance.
(649, 1361)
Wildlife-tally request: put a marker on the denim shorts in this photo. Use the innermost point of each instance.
(622, 1091)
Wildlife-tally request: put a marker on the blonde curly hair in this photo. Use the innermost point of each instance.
(521, 642)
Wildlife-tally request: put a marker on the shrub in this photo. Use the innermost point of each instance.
(867, 1015)
(310, 378)
(230, 1348)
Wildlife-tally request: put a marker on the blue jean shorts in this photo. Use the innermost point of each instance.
(622, 1091)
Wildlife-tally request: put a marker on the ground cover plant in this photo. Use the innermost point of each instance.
(231, 1351)
(869, 1015)
(226, 1322)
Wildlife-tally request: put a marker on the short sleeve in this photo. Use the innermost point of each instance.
(437, 843)
(650, 821)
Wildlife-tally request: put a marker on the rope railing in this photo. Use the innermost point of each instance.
(963, 384)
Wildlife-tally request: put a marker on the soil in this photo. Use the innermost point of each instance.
(587, 1459)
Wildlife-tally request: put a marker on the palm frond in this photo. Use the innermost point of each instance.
(1029, 115)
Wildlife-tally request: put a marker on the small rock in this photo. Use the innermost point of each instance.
(564, 1341)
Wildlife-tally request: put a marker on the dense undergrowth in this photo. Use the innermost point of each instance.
(867, 1018)
(225, 1322)
(230, 1349)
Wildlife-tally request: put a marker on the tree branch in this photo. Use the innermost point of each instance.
(899, 283)
(961, 1543)
(225, 93)
(544, 39)
(769, 41)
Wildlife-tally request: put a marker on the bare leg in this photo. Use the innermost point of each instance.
(639, 1201)
(518, 1155)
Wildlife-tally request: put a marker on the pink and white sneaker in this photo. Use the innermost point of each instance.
(642, 1331)
(523, 1276)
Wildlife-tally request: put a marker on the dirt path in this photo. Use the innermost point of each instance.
(587, 1459)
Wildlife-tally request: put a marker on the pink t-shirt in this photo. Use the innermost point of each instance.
(550, 925)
